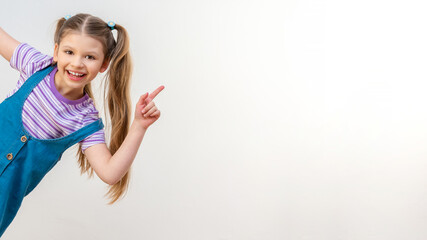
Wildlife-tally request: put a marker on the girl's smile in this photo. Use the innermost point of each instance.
(75, 76)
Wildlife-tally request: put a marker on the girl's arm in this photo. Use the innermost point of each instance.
(7, 45)
(111, 168)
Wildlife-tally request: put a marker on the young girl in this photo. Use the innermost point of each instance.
(52, 109)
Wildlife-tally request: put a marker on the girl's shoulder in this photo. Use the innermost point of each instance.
(28, 60)
(87, 110)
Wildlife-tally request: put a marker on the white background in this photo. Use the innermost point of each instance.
(299, 119)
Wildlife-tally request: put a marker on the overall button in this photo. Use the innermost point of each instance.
(24, 138)
(9, 156)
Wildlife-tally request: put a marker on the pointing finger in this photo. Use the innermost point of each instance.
(157, 91)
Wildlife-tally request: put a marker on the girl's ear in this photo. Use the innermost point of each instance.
(55, 53)
(104, 65)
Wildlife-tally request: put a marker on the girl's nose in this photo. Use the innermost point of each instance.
(77, 62)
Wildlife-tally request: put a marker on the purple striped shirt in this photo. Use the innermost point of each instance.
(46, 113)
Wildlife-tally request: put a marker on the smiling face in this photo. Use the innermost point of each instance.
(79, 59)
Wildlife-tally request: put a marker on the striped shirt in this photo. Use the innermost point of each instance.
(46, 113)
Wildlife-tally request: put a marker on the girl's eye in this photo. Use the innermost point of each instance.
(90, 57)
(68, 52)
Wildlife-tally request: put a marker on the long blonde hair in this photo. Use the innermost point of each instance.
(117, 81)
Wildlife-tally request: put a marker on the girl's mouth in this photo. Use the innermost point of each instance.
(75, 76)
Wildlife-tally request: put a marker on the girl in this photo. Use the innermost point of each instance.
(52, 108)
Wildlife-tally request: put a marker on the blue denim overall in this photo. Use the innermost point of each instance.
(25, 160)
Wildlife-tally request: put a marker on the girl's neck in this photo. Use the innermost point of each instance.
(67, 92)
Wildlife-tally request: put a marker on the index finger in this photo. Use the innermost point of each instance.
(157, 91)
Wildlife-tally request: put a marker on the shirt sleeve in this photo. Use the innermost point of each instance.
(28, 60)
(94, 138)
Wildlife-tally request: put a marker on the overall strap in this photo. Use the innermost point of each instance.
(82, 133)
(63, 143)
(28, 86)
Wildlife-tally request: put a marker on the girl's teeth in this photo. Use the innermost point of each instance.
(75, 74)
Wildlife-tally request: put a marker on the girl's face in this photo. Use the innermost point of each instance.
(79, 59)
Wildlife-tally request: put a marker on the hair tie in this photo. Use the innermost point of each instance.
(111, 24)
(67, 16)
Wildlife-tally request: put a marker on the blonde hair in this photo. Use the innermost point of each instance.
(117, 81)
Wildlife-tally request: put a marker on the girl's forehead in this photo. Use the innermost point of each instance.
(81, 41)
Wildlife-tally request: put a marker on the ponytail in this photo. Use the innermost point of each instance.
(119, 104)
(116, 89)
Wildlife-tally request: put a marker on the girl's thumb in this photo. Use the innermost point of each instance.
(143, 97)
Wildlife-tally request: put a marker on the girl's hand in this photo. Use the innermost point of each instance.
(146, 111)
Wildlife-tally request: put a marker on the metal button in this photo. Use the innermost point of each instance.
(9, 156)
(24, 138)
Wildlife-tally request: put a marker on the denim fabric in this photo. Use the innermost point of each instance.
(25, 160)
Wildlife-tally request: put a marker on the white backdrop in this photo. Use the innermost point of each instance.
(295, 119)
